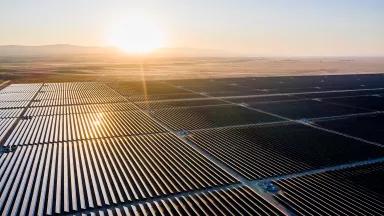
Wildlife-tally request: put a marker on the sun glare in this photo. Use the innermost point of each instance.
(136, 34)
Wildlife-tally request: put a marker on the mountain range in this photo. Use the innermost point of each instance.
(66, 49)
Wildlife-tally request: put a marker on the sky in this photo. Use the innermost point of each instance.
(249, 27)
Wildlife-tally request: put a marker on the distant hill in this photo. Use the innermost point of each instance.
(191, 52)
(64, 49)
(58, 49)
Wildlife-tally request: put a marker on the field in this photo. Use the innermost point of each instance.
(93, 67)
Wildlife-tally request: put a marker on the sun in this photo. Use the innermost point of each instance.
(136, 34)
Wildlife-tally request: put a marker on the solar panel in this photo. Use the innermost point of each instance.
(21, 88)
(13, 104)
(70, 176)
(305, 109)
(77, 109)
(56, 128)
(91, 93)
(143, 98)
(76, 101)
(373, 102)
(5, 126)
(335, 193)
(265, 151)
(15, 96)
(207, 117)
(237, 201)
(369, 127)
(232, 146)
(263, 99)
(162, 104)
(10, 113)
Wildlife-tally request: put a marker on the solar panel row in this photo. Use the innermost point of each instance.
(143, 98)
(13, 104)
(208, 117)
(10, 113)
(73, 86)
(55, 128)
(21, 88)
(75, 101)
(13, 101)
(77, 109)
(91, 93)
(237, 201)
(305, 109)
(163, 104)
(5, 125)
(16, 96)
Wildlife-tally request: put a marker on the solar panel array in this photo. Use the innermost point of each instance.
(335, 193)
(238, 146)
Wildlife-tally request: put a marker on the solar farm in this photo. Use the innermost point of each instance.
(293, 145)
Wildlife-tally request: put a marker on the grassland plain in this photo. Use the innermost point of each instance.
(97, 68)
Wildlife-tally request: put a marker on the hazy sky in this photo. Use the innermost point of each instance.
(269, 27)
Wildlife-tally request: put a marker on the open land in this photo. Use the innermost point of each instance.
(93, 67)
